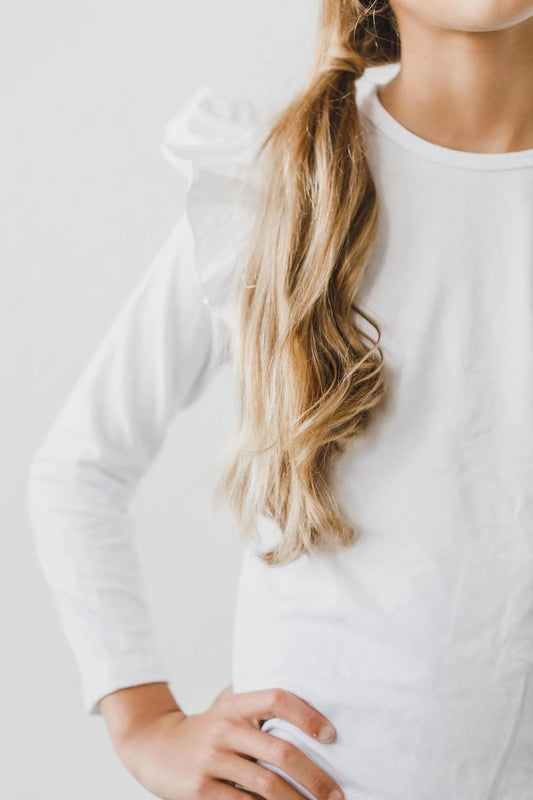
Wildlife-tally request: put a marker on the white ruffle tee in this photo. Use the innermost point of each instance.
(417, 641)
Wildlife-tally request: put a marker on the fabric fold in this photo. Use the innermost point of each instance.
(213, 140)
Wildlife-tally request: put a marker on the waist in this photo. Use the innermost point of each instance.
(413, 744)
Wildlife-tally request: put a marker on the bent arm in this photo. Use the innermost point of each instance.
(157, 357)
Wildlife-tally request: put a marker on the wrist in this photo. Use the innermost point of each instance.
(131, 709)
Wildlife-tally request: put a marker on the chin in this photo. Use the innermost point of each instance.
(470, 15)
(490, 15)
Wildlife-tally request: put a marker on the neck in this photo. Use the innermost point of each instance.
(467, 90)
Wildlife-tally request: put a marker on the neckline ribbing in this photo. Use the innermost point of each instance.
(375, 111)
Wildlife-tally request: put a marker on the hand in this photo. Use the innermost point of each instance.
(207, 756)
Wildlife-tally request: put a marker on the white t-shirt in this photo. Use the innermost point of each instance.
(417, 641)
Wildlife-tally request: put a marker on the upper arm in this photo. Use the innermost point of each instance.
(157, 357)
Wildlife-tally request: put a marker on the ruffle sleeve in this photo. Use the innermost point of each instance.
(212, 140)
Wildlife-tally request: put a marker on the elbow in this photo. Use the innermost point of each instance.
(35, 476)
(65, 483)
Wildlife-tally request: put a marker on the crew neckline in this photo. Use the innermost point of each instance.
(371, 105)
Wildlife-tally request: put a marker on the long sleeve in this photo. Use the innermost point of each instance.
(156, 358)
(159, 354)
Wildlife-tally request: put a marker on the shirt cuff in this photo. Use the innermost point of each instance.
(153, 670)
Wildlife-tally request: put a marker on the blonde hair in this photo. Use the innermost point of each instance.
(308, 376)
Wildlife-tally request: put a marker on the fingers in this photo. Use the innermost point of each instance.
(219, 790)
(258, 780)
(266, 703)
(280, 753)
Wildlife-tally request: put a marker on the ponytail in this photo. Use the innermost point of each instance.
(309, 378)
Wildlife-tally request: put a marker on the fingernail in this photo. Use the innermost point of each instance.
(335, 795)
(326, 734)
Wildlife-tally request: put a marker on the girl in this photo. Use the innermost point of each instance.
(377, 238)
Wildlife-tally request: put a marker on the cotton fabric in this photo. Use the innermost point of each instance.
(417, 641)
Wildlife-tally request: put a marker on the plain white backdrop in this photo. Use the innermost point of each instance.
(86, 199)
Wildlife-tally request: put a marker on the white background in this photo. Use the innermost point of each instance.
(86, 199)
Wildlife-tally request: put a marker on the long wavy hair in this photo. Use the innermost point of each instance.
(308, 376)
